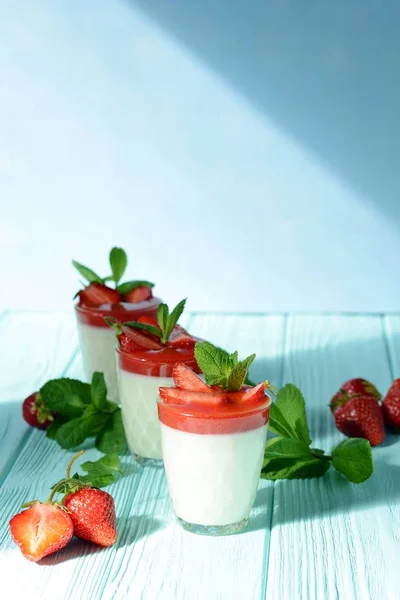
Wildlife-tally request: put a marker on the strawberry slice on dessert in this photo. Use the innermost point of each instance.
(186, 379)
(143, 340)
(180, 338)
(139, 294)
(173, 395)
(96, 294)
(248, 394)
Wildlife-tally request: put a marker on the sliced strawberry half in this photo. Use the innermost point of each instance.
(251, 394)
(41, 530)
(179, 338)
(143, 340)
(173, 395)
(139, 294)
(186, 379)
(96, 294)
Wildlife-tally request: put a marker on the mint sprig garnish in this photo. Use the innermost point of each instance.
(290, 455)
(166, 322)
(220, 367)
(118, 260)
(84, 412)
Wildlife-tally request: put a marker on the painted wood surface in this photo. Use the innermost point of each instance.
(317, 539)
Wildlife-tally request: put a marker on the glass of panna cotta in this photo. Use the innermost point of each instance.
(97, 340)
(213, 448)
(143, 365)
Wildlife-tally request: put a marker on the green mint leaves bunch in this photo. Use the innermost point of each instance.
(223, 369)
(166, 322)
(83, 411)
(290, 455)
(118, 263)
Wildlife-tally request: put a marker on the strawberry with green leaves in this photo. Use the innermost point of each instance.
(91, 509)
(98, 292)
(147, 333)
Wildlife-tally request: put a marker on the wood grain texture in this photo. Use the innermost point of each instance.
(332, 539)
(33, 348)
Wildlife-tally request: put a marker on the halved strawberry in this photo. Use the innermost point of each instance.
(96, 294)
(186, 379)
(179, 337)
(173, 395)
(41, 530)
(250, 394)
(142, 339)
(139, 294)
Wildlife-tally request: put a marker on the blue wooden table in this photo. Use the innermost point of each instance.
(320, 539)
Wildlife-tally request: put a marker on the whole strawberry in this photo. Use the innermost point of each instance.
(41, 529)
(351, 388)
(391, 406)
(35, 412)
(361, 417)
(93, 515)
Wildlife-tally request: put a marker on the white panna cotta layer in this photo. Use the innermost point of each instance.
(213, 478)
(98, 354)
(138, 396)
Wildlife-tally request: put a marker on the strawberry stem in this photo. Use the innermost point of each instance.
(71, 462)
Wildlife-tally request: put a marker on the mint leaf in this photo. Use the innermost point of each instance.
(215, 363)
(118, 262)
(75, 432)
(353, 458)
(167, 321)
(101, 472)
(291, 414)
(294, 468)
(129, 286)
(286, 448)
(149, 328)
(111, 439)
(67, 397)
(278, 424)
(98, 390)
(87, 273)
(239, 372)
(51, 431)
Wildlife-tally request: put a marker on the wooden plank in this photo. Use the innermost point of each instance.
(33, 347)
(332, 539)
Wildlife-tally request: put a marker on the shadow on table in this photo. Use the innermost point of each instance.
(300, 500)
(131, 530)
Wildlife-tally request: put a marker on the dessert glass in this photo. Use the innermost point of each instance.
(213, 456)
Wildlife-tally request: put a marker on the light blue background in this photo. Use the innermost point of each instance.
(246, 154)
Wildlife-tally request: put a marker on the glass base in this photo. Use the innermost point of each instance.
(148, 462)
(214, 529)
